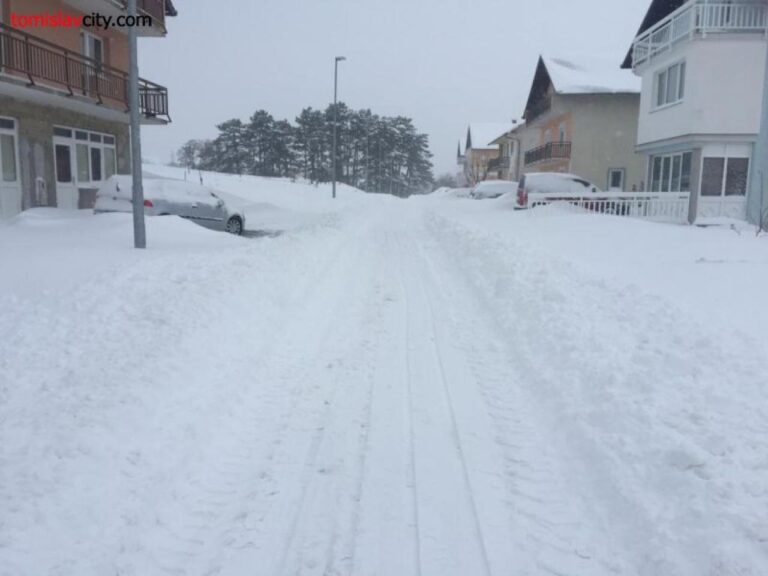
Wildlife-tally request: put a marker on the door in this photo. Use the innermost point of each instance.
(10, 178)
(724, 181)
(67, 195)
(93, 49)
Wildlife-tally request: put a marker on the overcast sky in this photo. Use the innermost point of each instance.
(443, 63)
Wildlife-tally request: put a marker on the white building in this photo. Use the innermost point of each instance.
(702, 65)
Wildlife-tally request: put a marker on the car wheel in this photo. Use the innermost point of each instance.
(235, 225)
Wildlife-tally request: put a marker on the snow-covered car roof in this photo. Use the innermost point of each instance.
(177, 191)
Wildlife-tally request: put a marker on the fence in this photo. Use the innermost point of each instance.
(657, 206)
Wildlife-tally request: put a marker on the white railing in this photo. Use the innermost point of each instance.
(699, 17)
(658, 206)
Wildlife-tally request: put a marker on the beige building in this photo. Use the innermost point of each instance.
(582, 118)
(64, 123)
(481, 154)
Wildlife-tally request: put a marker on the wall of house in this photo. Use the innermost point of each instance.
(116, 42)
(720, 98)
(604, 136)
(477, 164)
(35, 126)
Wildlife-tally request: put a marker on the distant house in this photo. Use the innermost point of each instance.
(508, 165)
(702, 68)
(480, 152)
(582, 118)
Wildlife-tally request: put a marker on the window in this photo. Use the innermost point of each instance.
(724, 176)
(547, 136)
(670, 84)
(736, 176)
(712, 177)
(562, 133)
(93, 48)
(96, 164)
(95, 154)
(83, 164)
(671, 173)
(8, 169)
(110, 164)
(8, 157)
(63, 163)
(616, 179)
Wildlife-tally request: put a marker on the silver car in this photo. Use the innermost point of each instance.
(163, 197)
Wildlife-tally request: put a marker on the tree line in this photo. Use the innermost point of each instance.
(375, 153)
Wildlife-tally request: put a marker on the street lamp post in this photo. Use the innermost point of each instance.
(139, 231)
(335, 115)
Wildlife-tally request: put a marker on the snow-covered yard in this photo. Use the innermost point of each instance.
(434, 386)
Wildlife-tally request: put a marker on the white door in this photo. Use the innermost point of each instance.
(724, 181)
(67, 195)
(10, 179)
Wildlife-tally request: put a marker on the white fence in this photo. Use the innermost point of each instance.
(700, 18)
(658, 206)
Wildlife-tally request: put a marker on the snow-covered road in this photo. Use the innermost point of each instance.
(387, 391)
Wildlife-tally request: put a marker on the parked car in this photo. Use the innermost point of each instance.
(164, 197)
(492, 189)
(552, 183)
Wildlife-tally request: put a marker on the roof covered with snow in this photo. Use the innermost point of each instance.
(481, 134)
(589, 76)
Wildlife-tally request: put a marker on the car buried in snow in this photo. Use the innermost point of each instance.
(550, 187)
(492, 189)
(166, 197)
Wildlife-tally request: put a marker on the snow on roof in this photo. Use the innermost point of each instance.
(590, 77)
(515, 126)
(481, 134)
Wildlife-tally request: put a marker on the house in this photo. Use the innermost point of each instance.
(582, 118)
(64, 123)
(508, 164)
(702, 69)
(480, 152)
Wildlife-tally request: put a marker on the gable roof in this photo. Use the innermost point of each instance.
(657, 11)
(591, 76)
(481, 134)
(515, 127)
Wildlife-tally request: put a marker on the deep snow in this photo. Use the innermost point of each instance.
(437, 386)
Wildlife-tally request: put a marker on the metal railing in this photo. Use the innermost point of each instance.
(657, 206)
(46, 64)
(699, 18)
(549, 151)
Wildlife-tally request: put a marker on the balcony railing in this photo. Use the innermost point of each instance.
(43, 63)
(549, 151)
(698, 18)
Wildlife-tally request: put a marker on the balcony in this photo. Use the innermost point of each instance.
(549, 151)
(698, 19)
(45, 65)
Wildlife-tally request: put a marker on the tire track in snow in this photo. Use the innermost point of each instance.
(409, 390)
(431, 429)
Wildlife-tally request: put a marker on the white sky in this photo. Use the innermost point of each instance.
(444, 63)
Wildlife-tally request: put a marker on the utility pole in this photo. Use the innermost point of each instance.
(757, 200)
(335, 116)
(139, 230)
